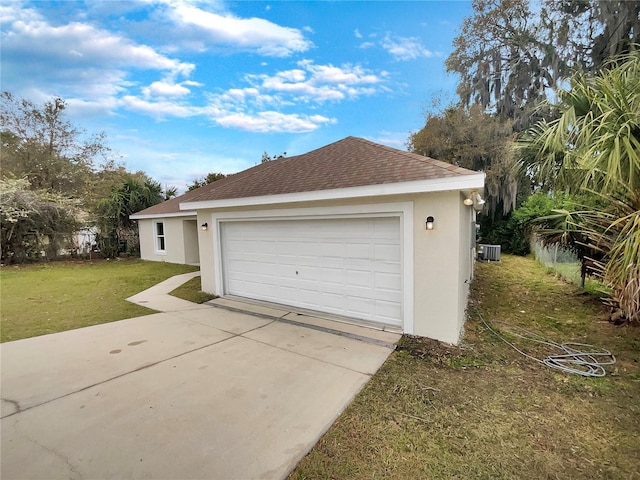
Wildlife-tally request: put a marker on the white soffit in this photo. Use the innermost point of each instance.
(463, 182)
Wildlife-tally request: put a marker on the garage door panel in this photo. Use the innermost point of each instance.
(387, 253)
(258, 268)
(255, 288)
(327, 250)
(388, 310)
(359, 251)
(287, 291)
(359, 278)
(322, 274)
(306, 262)
(388, 281)
(285, 272)
(242, 260)
(359, 305)
(285, 261)
(329, 288)
(348, 267)
(307, 298)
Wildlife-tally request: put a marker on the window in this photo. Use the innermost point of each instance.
(159, 237)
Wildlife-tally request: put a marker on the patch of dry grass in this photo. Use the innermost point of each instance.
(481, 410)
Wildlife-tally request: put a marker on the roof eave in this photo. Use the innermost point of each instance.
(461, 182)
(145, 216)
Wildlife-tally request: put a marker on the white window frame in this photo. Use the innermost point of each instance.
(159, 238)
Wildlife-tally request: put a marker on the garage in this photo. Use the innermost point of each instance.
(345, 266)
(377, 235)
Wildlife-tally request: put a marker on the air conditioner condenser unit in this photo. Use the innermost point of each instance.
(489, 253)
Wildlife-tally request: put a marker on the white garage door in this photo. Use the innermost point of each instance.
(349, 267)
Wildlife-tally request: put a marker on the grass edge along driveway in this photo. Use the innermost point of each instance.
(481, 410)
(54, 297)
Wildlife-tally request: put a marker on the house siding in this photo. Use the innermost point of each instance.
(440, 289)
(467, 258)
(175, 237)
(441, 266)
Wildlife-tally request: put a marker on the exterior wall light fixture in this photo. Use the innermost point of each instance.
(430, 222)
(474, 199)
(204, 226)
(479, 203)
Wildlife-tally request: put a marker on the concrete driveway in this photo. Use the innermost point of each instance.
(197, 391)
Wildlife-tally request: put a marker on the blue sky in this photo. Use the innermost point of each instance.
(183, 88)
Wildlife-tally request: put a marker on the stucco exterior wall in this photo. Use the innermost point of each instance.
(175, 237)
(190, 235)
(207, 262)
(467, 258)
(145, 230)
(442, 265)
(442, 261)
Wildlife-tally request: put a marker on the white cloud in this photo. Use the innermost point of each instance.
(319, 83)
(14, 11)
(253, 34)
(241, 98)
(272, 122)
(79, 43)
(165, 89)
(240, 109)
(257, 107)
(357, 33)
(90, 108)
(405, 48)
(391, 139)
(93, 69)
(159, 109)
(347, 74)
(78, 60)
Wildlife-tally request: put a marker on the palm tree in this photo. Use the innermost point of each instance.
(132, 195)
(593, 147)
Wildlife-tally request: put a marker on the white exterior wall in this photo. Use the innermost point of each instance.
(467, 258)
(207, 261)
(443, 265)
(190, 241)
(177, 241)
(145, 231)
(440, 260)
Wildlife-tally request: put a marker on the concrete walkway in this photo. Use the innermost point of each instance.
(158, 298)
(197, 391)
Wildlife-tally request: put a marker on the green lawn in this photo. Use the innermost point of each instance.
(192, 291)
(481, 410)
(571, 273)
(58, 296)
(478, 410)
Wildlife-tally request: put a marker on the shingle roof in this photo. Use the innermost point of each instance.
(350, 162)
